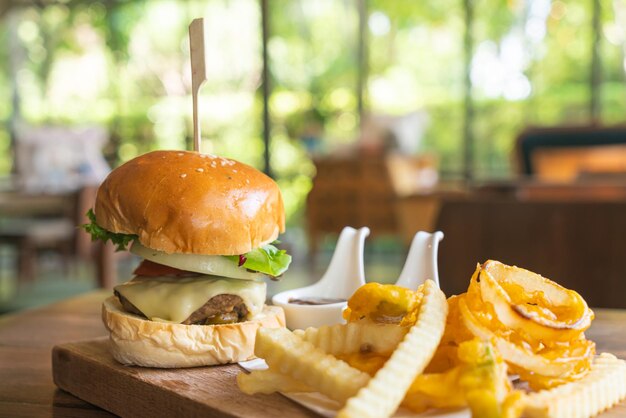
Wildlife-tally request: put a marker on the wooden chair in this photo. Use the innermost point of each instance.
(564, 154)
(354, 191)
(32, 223)
(43, 222)
(57, 169)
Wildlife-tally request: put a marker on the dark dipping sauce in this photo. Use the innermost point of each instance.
(313, 300)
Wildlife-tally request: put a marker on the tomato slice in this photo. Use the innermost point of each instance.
(149, 268)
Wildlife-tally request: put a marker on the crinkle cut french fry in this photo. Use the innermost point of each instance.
(269, 381)
(602, 388)
(384, 392)
(285, 352)
(353, 337)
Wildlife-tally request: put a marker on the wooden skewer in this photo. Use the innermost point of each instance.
(198, 73)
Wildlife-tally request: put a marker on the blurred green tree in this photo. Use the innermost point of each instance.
(124, 64)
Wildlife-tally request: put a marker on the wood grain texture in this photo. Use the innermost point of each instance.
(579, 244)
(198, 74)
(26, 341)
(87, 370)
(27, 388)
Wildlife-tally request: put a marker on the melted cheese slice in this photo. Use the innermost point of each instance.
(171, 299)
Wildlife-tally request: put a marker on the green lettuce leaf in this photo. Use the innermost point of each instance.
(121, 241)
(266, 259)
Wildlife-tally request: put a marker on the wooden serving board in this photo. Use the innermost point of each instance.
(88, 371)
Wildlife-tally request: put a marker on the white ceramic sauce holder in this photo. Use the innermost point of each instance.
(421, 262)
(346, 273)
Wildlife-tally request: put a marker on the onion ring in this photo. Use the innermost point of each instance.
(518, 317)
(514, 354)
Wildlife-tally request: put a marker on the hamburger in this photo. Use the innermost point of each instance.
(204, 227)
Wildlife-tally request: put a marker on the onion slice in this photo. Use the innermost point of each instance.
(215, 265)
(514, 354)
(526, 321)
(568, 309)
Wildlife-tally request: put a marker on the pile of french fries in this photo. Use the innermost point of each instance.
(422, 359)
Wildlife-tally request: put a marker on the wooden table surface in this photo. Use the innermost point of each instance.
(27, 338)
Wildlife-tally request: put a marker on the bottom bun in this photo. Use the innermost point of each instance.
(141, 342)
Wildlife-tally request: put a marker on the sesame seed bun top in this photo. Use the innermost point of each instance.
(187, 202)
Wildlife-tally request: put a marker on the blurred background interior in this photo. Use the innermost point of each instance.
(499, 122)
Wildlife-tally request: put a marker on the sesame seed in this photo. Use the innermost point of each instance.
(234, 171)
(182, 176)
(180, 153)
(200, 170)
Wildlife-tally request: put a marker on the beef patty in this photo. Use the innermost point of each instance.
(220, 309)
